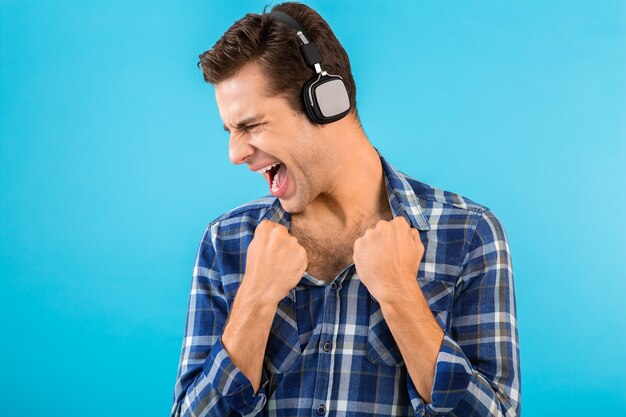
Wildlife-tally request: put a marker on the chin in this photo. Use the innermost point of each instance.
(291, 208)
(292, 205)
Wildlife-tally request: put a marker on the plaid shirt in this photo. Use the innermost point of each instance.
(330, 351)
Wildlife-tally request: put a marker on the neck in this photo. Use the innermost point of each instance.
(355, 193)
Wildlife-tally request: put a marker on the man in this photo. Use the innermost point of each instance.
(351, 289)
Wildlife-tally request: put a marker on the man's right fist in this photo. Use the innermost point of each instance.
(275, 262)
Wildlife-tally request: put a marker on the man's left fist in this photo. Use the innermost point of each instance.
(387, 258)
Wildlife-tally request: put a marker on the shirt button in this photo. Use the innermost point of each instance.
(327, 346)
(321, 410)
(333, 286)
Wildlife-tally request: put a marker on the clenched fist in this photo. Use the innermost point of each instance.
(387, 259)
(275, 262)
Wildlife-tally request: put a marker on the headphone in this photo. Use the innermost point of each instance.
(325, 97)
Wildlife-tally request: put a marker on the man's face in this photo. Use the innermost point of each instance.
(265, 130)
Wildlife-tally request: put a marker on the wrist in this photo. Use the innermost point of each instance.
(255, 296)
(409, 295)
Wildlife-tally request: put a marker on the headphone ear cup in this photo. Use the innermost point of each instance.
(326, 98)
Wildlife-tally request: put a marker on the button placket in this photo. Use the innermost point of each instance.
(325, 372)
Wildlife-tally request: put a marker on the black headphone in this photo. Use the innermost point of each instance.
(325, 97)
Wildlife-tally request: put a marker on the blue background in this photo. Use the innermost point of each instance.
(113, 160)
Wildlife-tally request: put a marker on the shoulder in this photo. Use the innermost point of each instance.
(431, 197)
(251, 212)
(226, 234)
(458, 212)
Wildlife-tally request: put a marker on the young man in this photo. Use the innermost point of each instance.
(351, 289)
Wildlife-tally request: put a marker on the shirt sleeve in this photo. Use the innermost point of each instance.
(478, 370)
(207, 382)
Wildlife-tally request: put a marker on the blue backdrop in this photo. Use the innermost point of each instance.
(113, 160)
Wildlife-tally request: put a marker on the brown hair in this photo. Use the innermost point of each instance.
(276, 47)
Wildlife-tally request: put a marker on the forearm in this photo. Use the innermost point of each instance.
(418, 337)
(246, 332)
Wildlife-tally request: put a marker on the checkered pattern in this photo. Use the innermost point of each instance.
(330, 351)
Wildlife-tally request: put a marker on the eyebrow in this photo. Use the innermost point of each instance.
(245, 122)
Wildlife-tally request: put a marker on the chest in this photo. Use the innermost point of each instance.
(328, 250)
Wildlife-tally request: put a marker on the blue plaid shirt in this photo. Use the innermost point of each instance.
(330, 351)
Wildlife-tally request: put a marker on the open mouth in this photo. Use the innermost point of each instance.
(272, 173)
(277, 177)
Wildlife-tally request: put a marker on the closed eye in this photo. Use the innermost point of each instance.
(245, 128)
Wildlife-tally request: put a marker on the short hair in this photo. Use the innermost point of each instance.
(276, 48)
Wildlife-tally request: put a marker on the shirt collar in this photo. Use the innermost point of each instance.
(402, 200)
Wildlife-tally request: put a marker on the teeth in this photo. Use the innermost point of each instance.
(267, 168)
(275, 184)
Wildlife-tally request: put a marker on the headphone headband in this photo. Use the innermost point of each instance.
(286, 19)
(311, 53)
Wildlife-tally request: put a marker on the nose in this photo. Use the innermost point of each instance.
(239, 149)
